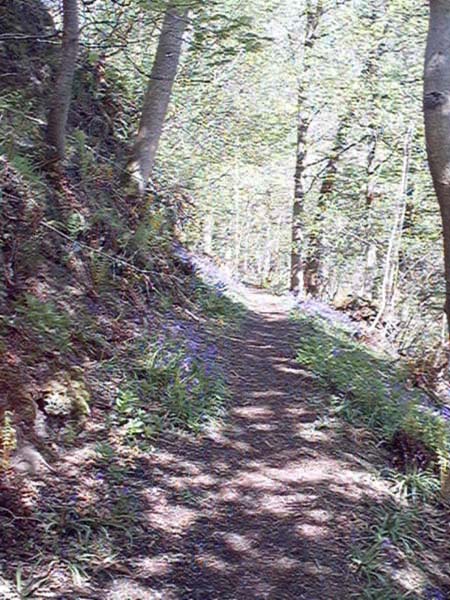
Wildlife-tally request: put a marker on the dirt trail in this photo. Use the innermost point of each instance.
(267, 506)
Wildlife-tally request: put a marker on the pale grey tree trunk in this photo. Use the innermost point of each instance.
(157, 97)
(371, 259)
(314, 271)
(237, 234)
(370, 76)
(297, 248)
(437, 118)
(208, 231)
(437, 128)
(62, 92)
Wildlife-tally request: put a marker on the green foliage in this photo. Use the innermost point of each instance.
(100, 267)
(8, 439)
(66, 396)
(416, 485)
(76, 224)
(51, 326)
(370, 387)
(169, 388)
(392, 538)
(214, 303)
(26, 169)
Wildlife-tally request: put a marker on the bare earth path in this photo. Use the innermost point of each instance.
(266, 506)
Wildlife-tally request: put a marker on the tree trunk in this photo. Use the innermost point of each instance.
(313, 268)
(62, 93)
(437, 119)
(237, 234)
(157, 97)
(369, 76)
(370, 269)
(208, 229)
(313, 17)
(393, 253)
(297, 275)
(436, 105)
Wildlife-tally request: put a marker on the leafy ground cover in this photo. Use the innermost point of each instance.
(372, 390)
(63, 523)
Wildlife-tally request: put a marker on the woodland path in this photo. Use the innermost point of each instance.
(267, 506)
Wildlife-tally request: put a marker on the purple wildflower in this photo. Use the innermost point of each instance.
(386, 544)
(445, 412)
(432, 593)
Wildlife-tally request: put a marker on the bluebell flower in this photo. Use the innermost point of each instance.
(386, 544)
(432, 593)
(186, 364)
(445, 412)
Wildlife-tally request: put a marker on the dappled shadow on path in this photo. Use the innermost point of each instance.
(265, 507)
(270, 504)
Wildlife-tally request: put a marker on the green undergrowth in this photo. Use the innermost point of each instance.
(111, 340)
(371, 388)
(108, 338)
(398, 550)
(88, 270)
(168, 387)
(213, 301)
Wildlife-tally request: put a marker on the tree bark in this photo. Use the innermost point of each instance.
(297, 267)
(313, 17)
(371, 259)
(62, 95)
(437, 120)
(369, 76)
(436, 104)
(157, 97)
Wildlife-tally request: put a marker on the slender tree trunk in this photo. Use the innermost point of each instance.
(313, 17)
(297, 275)
(370, 75)
(371, 259)
(237, 220)
(246, 240)
(157, 97)
(208, 230)
(437, 128)
(395, 240)
(62, 93)
(313, 268)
